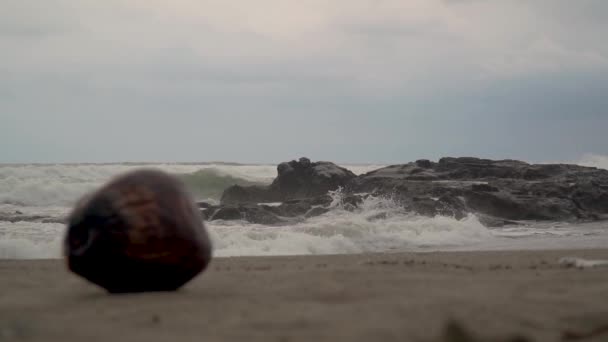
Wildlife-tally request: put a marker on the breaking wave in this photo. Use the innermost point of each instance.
(62, 185)
(378, 225)
(210, 183)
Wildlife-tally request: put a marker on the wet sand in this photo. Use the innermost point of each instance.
(375, 297)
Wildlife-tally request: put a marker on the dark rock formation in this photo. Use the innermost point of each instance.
(290, 211)
(296, 179)
(504, 189)
(140, 232)
(250, 212)
(248, 194)
(499, 192)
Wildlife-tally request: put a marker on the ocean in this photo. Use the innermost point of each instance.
(34, 198)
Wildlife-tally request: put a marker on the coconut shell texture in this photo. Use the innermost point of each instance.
(140, 232)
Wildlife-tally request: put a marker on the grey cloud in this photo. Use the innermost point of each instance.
(22, 19)
(347, 81)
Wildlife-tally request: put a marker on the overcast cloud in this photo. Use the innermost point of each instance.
(270, 80)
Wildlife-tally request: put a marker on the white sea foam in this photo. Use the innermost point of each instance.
(377, 225)
(28, 249)
(340, 232)
(30, 240)
(61, 185)
(594, 160)
(582, 263)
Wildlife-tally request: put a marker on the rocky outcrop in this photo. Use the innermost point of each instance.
(504, 189)
(295, 179)
(290, 211)
(498, 191)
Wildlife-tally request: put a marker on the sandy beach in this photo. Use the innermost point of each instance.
(383, 297)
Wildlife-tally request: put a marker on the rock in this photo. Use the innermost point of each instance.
(305, 162)
(484, 188)
(290, 211)
(451, 206)
(446, 205)
(424, 163)
(521, 207)
(284, 168)
(237, 194)
(323, 200)
(140, 232)
(295, 180)
(589, 195)
(503, 189)
(307, 207)
(304, 179)
(424, 206)
(353, 200)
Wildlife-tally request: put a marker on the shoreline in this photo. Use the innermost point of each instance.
(584, 246)
(359, 297)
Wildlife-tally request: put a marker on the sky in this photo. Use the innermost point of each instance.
(264, 81)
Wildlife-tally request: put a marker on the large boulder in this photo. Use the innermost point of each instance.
(303, 179)
(290, 211)
(295, 180)
(238, 194)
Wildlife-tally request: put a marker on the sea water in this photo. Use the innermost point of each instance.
(35, 198)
